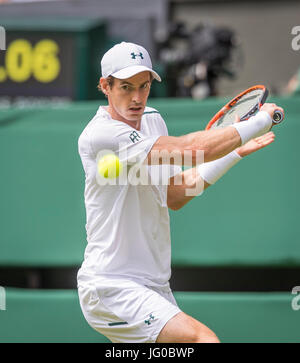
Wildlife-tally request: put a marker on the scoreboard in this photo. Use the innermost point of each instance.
(49, 57)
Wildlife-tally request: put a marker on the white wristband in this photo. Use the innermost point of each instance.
(256, 126)
(214, 170)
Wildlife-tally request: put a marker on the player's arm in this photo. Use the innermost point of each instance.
(177, 193)
(214, 143)
(197, 179)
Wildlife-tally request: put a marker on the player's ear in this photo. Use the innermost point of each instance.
(103, 85)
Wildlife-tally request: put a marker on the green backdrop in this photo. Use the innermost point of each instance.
(250, 217)
(54, 316)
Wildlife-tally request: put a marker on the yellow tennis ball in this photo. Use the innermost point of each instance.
(109, 166)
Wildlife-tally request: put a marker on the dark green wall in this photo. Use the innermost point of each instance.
(250, 217)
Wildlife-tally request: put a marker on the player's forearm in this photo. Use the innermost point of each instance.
(194, 181)
(191, 183)
(220, 142)
(214, 143)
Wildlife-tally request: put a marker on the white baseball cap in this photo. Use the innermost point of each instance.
(125, 60)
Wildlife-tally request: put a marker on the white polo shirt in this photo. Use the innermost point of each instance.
(128, 229)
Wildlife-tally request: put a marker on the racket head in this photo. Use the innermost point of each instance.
(244, 105)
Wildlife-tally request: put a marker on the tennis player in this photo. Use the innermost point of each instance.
(123, 283)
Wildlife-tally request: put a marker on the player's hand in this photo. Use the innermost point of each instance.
(256, 144)
(270, 108)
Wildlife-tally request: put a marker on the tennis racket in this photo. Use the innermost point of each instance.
(245, 105)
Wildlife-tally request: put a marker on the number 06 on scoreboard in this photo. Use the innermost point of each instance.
(51, 58)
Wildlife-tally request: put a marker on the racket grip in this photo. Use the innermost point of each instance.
(277, 117)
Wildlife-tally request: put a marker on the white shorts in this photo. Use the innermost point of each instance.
(125, 311)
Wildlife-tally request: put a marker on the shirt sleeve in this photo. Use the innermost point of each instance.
(129, 145)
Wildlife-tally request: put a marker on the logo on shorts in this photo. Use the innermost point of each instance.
(151, 317)
(134, 136)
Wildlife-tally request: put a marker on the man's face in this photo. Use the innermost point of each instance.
(128, 97)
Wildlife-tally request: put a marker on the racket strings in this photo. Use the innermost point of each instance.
(247, 105)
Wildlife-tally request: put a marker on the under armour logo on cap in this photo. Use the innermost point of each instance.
(133, 55)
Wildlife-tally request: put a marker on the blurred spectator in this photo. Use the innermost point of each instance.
(196, 59)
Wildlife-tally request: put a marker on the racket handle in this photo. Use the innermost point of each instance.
(277, 117)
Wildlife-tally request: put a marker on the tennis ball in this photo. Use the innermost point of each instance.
(109, 166)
